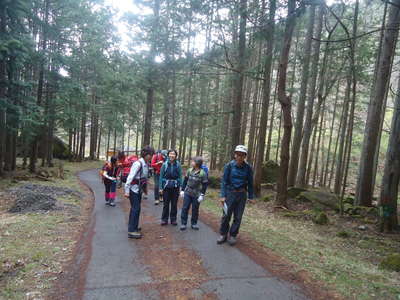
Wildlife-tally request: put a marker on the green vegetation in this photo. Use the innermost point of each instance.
(391, 263)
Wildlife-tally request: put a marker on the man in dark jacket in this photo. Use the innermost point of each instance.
(236, 185)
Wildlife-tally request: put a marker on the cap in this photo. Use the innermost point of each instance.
(241, 148)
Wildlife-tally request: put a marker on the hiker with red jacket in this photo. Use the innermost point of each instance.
(125, 164)
(156, 163)
(110, 173)
(136, 185)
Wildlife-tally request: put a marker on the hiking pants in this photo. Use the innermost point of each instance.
(236, 202)
(111, 187)
(134, 214)
(156, 186)
(187, 202)
(170, 197)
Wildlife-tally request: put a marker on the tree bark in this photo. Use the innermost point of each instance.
(166, 113)
(3, 89)
(301, 175)
(266, 96)
(150, 77)
(298, 126)
(364, 188)
(173, 111)
(388, 219)
(239, 78)
(286, 104)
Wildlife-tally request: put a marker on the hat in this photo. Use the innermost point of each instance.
(241, 148)
(198, 161)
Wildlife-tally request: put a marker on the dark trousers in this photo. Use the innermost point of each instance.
(134, 214)
(187, 201)
(156, 186)
(236, 202)
(111, 187)
(170, 197)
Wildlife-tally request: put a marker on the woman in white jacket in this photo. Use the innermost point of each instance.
(135, 186)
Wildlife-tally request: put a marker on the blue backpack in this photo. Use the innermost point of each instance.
(204, 167)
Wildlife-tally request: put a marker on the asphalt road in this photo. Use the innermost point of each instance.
(167, 263)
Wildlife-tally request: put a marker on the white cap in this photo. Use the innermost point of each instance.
(241, 148)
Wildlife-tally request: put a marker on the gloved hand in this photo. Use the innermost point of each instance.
(201, 198)
(182, 194)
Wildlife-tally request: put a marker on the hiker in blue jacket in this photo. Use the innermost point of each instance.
(170, 184)
(236, 185)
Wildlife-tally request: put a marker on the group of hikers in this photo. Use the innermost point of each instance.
(170, 184)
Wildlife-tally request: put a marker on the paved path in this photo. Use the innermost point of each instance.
(167, 263)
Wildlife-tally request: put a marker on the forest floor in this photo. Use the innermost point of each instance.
(36, 245)
(340, 255)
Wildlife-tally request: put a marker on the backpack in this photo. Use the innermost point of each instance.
(205, 169)
(170, 183)
(132, 159)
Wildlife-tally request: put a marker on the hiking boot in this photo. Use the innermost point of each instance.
(134, 235)
(232, 240)
(164, 223)
(174, 223)
(195, 227)
(156, 202)
(221, 239)
(183, 227)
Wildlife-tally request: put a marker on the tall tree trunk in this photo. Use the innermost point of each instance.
(316, 164)
(364, 188)
(214, 141)
(3, 88)
(301, 174)
(108, 142)
(166, 114)
(286, 104)
(239, 78)
(342, 139)
(34, 147)
(353, 74)
(266, 96)
(271, 121)
(388, 219)
(150, 75)
(328, 152)
(298, 126)
(255, 107)
(82, 147)
(173, 111)
(99, 141)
